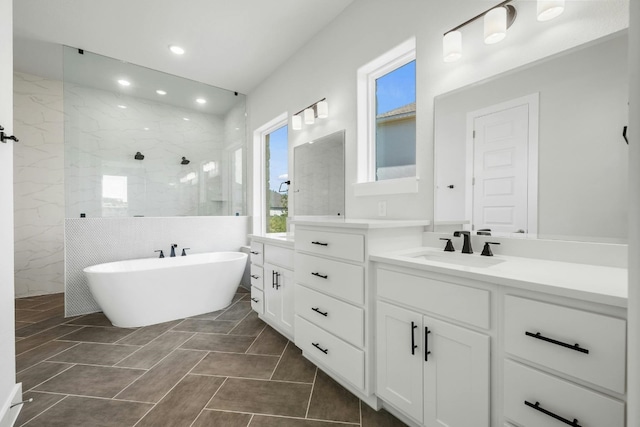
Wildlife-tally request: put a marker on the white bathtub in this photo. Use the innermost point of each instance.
(143, 292)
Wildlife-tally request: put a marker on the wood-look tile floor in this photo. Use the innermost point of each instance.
(226, 368)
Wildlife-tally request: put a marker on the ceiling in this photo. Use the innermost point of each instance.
(232, 44)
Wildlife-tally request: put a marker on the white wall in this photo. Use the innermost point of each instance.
(38, 185)
(7, 334)
(327, 65)
(633, 331)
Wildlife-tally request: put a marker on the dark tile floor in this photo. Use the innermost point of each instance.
(219, 369)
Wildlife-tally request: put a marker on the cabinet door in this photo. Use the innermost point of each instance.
(272, 295)
(287, 314)
(399, 354)
(456, 375)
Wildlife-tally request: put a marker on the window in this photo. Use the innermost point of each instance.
(387, 116)
(276, 152)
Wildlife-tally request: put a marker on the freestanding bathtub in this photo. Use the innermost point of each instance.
(143, 292)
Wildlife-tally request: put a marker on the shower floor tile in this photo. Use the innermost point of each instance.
(225, 368)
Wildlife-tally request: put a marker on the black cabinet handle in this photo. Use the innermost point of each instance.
(322, 276)
(537, 407)
(426, 344)
(539, 336)
(255, 253)
(319, 243)
(255, 277)
(277, 280)
(255, 300)
(413, 338)
(317, 310)
(317, 345)
(273, 279)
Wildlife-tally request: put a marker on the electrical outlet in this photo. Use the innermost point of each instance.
(382, 208)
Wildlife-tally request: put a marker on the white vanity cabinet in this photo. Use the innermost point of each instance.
(334, 322)
(272, 283)
(435, 371)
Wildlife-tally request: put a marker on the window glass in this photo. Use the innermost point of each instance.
(277, 179)
(395, 142)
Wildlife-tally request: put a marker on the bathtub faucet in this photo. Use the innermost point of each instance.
(161, 253)
(184, 251)
(173, 249)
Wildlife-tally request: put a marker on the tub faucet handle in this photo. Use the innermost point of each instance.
(183, 251)
(161, 253)
(173, 249)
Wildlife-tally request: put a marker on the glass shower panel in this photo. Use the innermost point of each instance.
(138, 144)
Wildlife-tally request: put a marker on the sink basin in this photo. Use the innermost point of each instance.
(466, 260)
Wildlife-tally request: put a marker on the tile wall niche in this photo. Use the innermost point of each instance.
(38, 185)
(91, 241)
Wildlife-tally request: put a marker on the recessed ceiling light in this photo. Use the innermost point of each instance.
(201, 101)
(237, 128)
(186, 119)
(122, 106)
(161, 92)
(146, 128)
(176, 49)
(124, 82)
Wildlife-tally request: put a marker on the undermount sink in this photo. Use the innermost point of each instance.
(467, 260)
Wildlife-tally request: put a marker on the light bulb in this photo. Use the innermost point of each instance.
(323, 109)
(296, 122)
(309, 116)
(495, 25)
(452, 46)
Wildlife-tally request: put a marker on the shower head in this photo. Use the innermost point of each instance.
(185, 161)
(139, 156)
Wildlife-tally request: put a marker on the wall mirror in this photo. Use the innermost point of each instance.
(318, 178)
(538, 151)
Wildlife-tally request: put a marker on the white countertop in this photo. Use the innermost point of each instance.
(281, 239)
(604, 285)
(360, 223)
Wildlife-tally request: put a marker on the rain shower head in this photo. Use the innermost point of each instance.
(185, 161)
(139, 156)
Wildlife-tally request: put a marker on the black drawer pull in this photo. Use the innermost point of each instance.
(575, 347)
(255, 300)
(319, 243)
(426, 344)
(537, 407)
(324, 350)
(322, 276)
(255, 277)
(255, 253)
(413, 338)
(317, 310)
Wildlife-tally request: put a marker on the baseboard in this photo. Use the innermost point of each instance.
(9, 415)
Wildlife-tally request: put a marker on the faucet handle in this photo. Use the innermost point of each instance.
(486, 251)
(174, 245)
(183, 251)
(449, 246)
(161, 253)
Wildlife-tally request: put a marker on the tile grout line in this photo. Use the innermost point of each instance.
(42, 412)
(315, 376)
(47, 359)
(50, 378)
(279, 360)
(208, 401)
(52, 339)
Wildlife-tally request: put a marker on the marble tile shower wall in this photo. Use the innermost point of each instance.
(38, 185)
(102, 139)
(91, 241)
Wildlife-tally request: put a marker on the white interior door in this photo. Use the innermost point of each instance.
(500, 170)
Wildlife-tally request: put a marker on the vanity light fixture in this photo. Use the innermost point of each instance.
(549, 9)
(161, 92)
(319, 109)
(176, 49)
(495, 25)
(452, 46)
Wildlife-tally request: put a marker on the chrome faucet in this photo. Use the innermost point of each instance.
(466, 247)
(173, 249)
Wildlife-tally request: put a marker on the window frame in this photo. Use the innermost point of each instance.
(366, 183)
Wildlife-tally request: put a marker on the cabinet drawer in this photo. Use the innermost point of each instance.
(556, 396)
(560, 328)
(338, 245)
(339, 318)
(257, 276)
(257, 253)
(276, 255)
(333, 277)
(257, 300)
(330, 352)
(462, 303)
